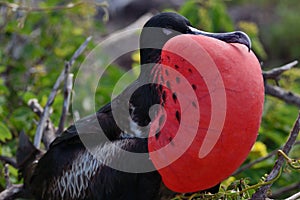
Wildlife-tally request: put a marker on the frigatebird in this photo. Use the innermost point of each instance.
(69, 171)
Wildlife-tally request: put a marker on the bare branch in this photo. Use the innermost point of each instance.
(250, 164)
(6, 176)
(294, 197)
(284, 190)
(45, 114)
(49, 130)
(282, 94)
(262, 192)
(67, 96)
(48, 134)
(12, 192)
(276, 91)
(35, 107)
(69, 84)
(276, 72)
(79, 51)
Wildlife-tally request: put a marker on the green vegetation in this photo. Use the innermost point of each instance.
(35, 45)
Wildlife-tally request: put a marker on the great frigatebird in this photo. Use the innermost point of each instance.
(69, 171)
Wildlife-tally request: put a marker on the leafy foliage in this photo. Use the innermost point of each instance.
(33, 49)
(34, 46)
(284, 31)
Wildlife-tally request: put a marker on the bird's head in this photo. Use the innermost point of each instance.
(164, 26)
(208, 88)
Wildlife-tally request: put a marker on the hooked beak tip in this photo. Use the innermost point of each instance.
(229, 37)
(247, 40)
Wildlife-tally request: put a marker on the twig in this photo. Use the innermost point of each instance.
(79, 51)
(69, 84)
(8, 160)
(276, 72)
(294, 197)
(293, 163)
(282, 94)
(285, 190)
(35, 107)
(45, 114)
(262, 192)
(49, 131)
(276, 91)
(64, 109)
(67, 96)
(6, 176)
(48, 134)
(250, 164)
(13, 192)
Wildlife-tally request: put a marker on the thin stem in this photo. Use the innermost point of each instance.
(46, 112)
(262, 191)
(67, 96)
(282, 94)
(294, 197)
(60, 79)
(285, 190)
(250, 164)
(295, 164)
(6, 176)
(276, 72)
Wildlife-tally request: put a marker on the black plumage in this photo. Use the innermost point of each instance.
(69, 171)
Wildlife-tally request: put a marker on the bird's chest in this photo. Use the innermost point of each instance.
(182, 92)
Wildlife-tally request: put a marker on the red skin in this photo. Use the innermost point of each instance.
(238, 96)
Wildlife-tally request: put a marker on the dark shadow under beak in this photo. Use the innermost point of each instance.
(229, 37)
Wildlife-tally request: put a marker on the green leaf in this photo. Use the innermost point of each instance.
(5, 134)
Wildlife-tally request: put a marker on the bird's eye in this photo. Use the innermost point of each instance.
(167, 31)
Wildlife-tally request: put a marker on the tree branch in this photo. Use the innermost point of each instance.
(250, 164)
(35, 107)
(49, 130)
(12, 192)
(276, 72)
(276, 91)
(69, 85)
(6, 176)
(261, 193)
(282, 94)
(67, 95)
(281, 191)
(45, 114)
(294, 197)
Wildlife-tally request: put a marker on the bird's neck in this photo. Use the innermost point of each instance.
(145, 94)
(150, 58)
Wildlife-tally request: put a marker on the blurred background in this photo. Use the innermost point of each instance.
(37, 37)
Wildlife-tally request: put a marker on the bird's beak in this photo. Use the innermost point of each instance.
(229, 37)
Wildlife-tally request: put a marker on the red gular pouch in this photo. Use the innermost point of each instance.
(212, 99)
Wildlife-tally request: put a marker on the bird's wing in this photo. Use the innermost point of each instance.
(91, 125)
